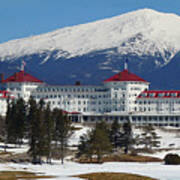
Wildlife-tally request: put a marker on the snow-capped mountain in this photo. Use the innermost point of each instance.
(149, 39)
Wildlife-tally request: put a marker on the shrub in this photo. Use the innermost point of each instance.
(172, 159)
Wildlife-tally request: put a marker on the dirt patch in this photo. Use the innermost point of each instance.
(17, 175)
(113, 176)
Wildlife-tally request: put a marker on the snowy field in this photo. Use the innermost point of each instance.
(64, 172)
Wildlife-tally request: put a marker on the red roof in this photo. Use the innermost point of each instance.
(21, 76)
(160, 94)
(125, 76)
(67, 112)
(5, 94)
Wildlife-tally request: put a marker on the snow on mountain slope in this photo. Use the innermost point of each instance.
(141, 32)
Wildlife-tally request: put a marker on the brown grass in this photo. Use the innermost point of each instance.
(2, 153)
(73, 128)
(121, 158)
(17, 175)
(113, 176)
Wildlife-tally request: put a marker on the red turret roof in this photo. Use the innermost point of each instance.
(125, 76)
(21, 76)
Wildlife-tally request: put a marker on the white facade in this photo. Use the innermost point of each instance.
(3, 101)
(123, 96)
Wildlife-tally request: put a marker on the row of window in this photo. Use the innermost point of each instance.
(77, 89)
(137, 118)
(145, 109)
(54, 96)
(158, 102)
(160, 94)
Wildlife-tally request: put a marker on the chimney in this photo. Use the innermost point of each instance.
(77, 83)
(1, 77)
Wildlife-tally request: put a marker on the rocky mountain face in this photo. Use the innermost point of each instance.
(92, 52)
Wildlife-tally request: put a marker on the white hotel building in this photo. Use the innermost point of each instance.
(122, 96)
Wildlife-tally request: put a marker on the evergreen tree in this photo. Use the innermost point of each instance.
(62, 131)
(41, 133)
(7, 119)
(3, 131)
(49, 128)
(115, 133)
(84, 147)
(55, 119)
(10, 125)
(95, 142)
(33, 129)
(127, 136)
(40, 130)
(19, 120)
(2, 128)
(100, 143)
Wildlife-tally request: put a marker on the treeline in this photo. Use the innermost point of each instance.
(108, 138)
(44, 128)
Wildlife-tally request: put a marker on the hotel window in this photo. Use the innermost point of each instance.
(173, 94)
(160, 94)
(143, 95)
(151, 94)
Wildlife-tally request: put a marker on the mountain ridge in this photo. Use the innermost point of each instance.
(149, 39)
(85, 38)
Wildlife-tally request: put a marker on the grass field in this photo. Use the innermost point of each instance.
(17, 175)
(113, 176)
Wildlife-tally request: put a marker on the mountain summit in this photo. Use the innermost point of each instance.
(149, 39)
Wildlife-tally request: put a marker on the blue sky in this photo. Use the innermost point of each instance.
(23, 18)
